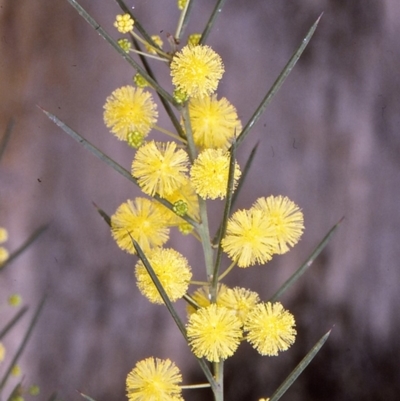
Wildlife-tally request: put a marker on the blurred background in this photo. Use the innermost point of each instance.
(329, 141)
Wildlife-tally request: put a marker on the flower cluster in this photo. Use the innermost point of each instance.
(178, 176)
(216, 329)
(267, 228)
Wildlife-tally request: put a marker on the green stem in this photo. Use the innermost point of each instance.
(189, 134)
(194, 386)
(165, 57)
(169, 133)
(217, 10)
(183, 20)
(219, 378)
(228, 270)
(204, 233)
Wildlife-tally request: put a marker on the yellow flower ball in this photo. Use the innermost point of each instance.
(197, 70)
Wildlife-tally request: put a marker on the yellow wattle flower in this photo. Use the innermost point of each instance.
(196, 70)
(154, 379)
(202, 297)
(214, 333)
(286, 218)
(270, 328)
(209, 173)
(250, 238)
(160, 168)
(214, 122)
(171, 268)
(240, 300)
(140, 219)
(130, 109)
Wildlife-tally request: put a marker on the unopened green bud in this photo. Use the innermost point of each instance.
(140, 81)
(180, 96)
(125, 45)
(180, 207)
(135, 139)
(194, 39)
(185, 228)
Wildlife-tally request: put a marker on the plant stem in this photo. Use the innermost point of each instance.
(219, 378)
(204, 233)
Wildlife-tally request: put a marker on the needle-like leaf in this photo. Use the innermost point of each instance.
(23, 343)
(210, 23)
(227, 209)
(24, 246)
(6, 137)
(299, 368)
(278, 83)
(301, 270)
(13, 321)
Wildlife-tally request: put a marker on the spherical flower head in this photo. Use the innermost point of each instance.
(124, 23)
(286, 219)
(214, 333)
(124, 44)
(240, 300)
(157, 40)
(2, 352)
(249, 238)
(130, 109)
(171, 268)
(209, 173)
(197, 70)
(160, 168)
(214, 122)
(194, 39)
(202, 297)
(154, 379)
(270, 328)
(4, 254)
(3, 235)
(141, 220)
